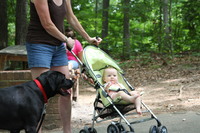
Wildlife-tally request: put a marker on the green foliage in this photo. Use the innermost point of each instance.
(146, 25)
(11, 21)
(191, 18)
(11, 29)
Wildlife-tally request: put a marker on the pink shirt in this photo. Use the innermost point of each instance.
(76, 49)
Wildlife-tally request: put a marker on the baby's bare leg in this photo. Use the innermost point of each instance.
(134, 98)
(134, 94)
(138, 105)
(123, 95)
(137, 101)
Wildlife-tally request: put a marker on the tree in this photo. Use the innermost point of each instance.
(191, 19)
(105, 22)
(21, 21)
(3, 24)
(126, 30)
(167, 42)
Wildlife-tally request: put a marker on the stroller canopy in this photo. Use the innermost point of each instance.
(96, 59)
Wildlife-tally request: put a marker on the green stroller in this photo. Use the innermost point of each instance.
(93, 64)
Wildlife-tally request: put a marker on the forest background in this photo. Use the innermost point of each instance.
(130, 29)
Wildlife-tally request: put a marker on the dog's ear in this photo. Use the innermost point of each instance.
(54, 78)
(58, 83)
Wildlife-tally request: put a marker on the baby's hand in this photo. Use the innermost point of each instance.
(107, 85)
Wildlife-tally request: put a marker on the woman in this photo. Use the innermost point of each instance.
(45, 48)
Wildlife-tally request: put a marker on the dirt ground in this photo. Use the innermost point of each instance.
(174, 87)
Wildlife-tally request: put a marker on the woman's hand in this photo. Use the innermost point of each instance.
(95, 40)
(70, 42)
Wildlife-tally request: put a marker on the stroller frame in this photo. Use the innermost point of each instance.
(115, 127)
(121, 116)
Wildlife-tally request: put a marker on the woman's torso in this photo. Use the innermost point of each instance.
(36, 33)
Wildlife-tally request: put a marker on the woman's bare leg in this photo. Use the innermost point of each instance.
(36, 72)
(64, 103)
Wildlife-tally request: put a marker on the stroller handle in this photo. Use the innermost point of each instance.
(70, 49)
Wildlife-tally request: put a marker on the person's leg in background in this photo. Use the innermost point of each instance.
(74, 74)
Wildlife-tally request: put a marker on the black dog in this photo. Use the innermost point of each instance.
(21, 106)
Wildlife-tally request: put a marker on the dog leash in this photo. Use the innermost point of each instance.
(41, 118)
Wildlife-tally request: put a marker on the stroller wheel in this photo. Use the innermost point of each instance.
(92, 130)
(84, 131)
(120, 127)
(88, 130)
(162, 129)
(153, 129)
(113, 128)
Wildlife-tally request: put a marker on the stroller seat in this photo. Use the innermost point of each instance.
(103, 95)
(102, 103)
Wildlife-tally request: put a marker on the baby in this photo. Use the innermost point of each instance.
(110, 79)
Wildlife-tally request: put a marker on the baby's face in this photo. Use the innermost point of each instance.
(110, 75)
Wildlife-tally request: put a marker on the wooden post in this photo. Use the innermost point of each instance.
(2, 62)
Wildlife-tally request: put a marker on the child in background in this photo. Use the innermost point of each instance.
(77, 49)
(73, 62)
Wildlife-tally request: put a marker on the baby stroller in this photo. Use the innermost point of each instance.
(94, 62)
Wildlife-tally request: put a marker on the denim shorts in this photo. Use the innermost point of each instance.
(74, 63)
(44, 55)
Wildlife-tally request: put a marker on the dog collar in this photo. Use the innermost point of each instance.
(41, 89)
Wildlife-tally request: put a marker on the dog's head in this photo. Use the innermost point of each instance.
(55, 82)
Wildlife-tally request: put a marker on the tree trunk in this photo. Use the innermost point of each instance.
(126, 31)
(3, 24)
(21, 22)
(105, 24)
(170, 30)
(160, 42)
(167, 42)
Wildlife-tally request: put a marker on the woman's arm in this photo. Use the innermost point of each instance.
(73, 21)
